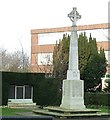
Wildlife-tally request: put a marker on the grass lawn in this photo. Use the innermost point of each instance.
(12, 111)
(102, 108)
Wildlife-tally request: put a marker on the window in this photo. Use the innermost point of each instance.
(20, 92)
(28, 91)
(12, 92)
(45, 58)
(49, 38)
(107, 55)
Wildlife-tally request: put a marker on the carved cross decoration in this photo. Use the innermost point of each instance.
(74, 15)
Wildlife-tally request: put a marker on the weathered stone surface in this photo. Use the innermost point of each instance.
(73, 87)
(73, 95)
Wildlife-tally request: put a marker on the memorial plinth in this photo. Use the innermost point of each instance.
(73, 95)
(73, 87)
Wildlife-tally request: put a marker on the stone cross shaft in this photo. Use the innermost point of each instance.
(73, 71)
(73, 87)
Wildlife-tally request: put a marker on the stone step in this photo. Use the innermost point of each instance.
(68, 115)
(10, 104)
(76, 111)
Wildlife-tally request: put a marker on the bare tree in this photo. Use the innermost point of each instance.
(13, 61)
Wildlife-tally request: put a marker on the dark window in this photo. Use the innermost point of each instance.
(19, 92)
(22, 92)
(27, 92)
(12, 92)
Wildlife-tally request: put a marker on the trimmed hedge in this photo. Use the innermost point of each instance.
(97, 99)
(47, 92)
(44, 89)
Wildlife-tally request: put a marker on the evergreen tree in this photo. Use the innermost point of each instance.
(96, 66)
(60, 57)
(83, 52)
(92, 64)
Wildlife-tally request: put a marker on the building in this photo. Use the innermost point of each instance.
(17, 90)
(44, 40)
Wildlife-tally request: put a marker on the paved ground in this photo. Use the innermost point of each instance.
(94, 118)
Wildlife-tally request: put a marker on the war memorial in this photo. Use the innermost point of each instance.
(72, 104)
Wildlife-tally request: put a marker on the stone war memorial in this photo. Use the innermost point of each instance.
(72, 103)
(73, 87)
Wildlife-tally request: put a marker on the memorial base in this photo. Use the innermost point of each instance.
(73, 94)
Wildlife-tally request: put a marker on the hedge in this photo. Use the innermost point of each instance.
(97, 98)
(44, 89)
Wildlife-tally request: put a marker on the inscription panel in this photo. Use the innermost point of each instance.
(77, 89)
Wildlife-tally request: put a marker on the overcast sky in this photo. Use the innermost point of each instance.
(18, 17)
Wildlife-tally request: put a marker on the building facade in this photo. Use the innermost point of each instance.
(44, 40)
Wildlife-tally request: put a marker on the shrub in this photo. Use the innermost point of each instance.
(97, 99)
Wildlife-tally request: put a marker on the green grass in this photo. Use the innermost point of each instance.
(12, 111)
(102, 108)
